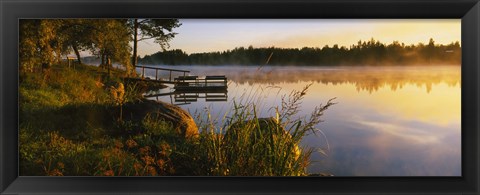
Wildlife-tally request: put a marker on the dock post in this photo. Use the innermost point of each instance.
(170, 76)
(156, 74)
(143, 71)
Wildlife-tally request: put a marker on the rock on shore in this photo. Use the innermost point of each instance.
(181, 119)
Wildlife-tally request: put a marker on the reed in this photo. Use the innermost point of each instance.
(247, 145)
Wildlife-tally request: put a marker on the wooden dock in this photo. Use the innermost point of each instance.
(193, 83)
(187, 83)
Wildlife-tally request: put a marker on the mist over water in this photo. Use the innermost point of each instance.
(389, 121)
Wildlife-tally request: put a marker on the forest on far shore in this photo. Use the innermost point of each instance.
(370, 52)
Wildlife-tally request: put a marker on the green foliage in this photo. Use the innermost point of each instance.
(52, 154)
(38, 43)
(76, 35)
(134, 92)
(58, 87)
(157, 127)
(42, 42)
(111, 39)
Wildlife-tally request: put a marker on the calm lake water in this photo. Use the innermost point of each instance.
(389, 121)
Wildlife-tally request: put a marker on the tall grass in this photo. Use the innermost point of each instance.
(253, 146)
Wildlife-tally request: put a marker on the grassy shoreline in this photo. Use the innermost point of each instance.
(71, 124)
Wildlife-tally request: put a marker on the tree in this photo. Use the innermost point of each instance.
(39, 44)
(111, 39)
(158, 29)
(77, 35)
(430, 50)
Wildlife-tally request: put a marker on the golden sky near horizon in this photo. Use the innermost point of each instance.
(206, 35)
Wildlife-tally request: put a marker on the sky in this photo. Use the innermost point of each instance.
(207, 35)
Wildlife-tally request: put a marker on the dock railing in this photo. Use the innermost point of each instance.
(162, 69)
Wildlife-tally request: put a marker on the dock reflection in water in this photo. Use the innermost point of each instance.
(182, 97)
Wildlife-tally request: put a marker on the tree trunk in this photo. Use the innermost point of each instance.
(77, 53)
(135, 40)
(108, 64)
(102, 56)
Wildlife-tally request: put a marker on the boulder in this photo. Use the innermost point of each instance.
(181, 119)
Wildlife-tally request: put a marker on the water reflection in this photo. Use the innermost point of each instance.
(187, 97)
(408, 132)
(392, 121)
(364, 78)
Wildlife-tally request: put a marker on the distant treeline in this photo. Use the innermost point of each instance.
(370, 52)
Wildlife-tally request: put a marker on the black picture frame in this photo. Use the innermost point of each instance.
(12, 10)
